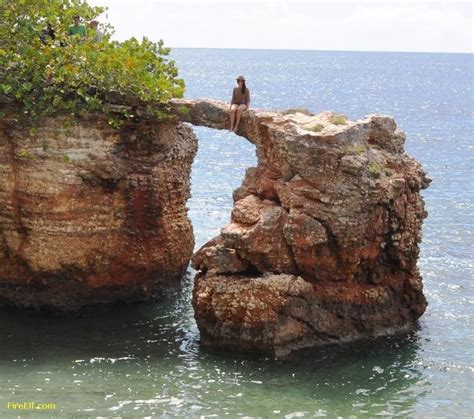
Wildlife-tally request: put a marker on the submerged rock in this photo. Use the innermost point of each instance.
(323, 240)
(91, 214)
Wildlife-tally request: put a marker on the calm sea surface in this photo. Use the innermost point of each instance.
(145, 359)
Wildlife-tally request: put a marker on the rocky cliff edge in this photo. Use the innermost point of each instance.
(322, 244)
(91, 214)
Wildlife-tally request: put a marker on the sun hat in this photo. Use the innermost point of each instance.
(241, 78)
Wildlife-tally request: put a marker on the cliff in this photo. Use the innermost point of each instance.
(91, 214)
(323, 239)
(321, 247)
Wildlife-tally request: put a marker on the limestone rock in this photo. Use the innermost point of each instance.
(334, 206)
(219, 258)
(281, 313)
(90, 214)
(321, 247)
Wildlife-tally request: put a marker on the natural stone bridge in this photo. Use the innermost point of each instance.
(322, 244)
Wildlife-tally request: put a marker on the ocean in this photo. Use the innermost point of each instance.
(145, 359)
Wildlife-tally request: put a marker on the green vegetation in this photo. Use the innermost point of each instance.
(183, 110)
(66, 158)
(71, 73)
(316, 128)
(116, 122)
(356, 149)
(25, 154)
(339, 120)
(374, 170)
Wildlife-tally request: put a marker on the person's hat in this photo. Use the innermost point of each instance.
(241, 78)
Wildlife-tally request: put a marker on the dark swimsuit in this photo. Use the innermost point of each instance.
(243, 102)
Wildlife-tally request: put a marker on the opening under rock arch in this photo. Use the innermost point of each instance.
(217, 170)
(323, 238)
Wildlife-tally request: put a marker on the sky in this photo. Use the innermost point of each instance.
(404, 25)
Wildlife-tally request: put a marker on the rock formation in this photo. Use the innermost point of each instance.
(321, 247)
(323, 240)
(89, 213)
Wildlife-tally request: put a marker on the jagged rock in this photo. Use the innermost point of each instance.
(333, 206)
(92, 214)
(322, 245)
(281, 313)
(221, 258)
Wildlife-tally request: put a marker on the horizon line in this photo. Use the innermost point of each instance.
(323, 50)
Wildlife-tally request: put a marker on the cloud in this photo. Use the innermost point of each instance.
(366, 26)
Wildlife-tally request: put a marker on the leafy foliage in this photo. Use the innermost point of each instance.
(73, 73)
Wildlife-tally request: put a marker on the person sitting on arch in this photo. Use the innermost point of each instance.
(239, 103)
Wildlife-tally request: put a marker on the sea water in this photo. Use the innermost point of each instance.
(145, 359)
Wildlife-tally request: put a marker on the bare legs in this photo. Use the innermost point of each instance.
(240, 111)
(233, 110)
(235, 115)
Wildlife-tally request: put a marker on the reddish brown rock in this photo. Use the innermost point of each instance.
(334, 207)
(280, 313)
(222, 259)
(91, 214)
(322, 245)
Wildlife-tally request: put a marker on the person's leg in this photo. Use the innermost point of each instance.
(233, 110)
(240, 110)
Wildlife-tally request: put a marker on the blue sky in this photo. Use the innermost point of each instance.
(347, 25)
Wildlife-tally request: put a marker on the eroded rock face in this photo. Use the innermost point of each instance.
(321, 247)
(323, 240)
(91, 214)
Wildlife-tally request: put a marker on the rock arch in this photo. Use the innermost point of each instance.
(323, 239)
(321, 247)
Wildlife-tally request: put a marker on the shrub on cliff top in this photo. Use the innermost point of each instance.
(71, 73)
(338, 119)
(316, 128)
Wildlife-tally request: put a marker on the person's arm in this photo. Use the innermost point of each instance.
(248, 98)
(232, 100)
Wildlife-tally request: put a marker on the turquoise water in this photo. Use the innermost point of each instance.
(145, 359)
